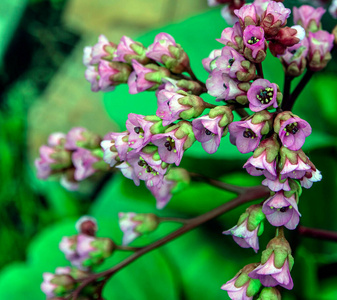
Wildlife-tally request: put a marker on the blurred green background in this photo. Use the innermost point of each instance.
(43, 90)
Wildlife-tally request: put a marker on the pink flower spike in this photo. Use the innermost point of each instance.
(83, 161)
(160, 47)
(308, 17)
(262, 94)
(282, 211)
(293, 133)
(245, 135)
(208, 132)
(139, 131)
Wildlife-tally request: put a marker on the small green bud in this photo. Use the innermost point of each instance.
(269, 293)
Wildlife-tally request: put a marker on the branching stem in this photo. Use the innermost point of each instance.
(317, 233)
(249, 194)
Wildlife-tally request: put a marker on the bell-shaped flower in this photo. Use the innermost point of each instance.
(173, 143)
(104, 49)
(147, 77)
(115, 147)
(282, 211)
(209, 62)
(308, 17)
(275, 185)
(221, 86)
(245, 135)
(134, 225)
(261, 6)
(262, 94)
(79, 137)
(232, 36)
(320, 46)
(255, 43)
(84, 161)
(242, 287)
(160, 47)
(274, 18)
(248, 228)
(294, 60)
(276, 263)
(292, 130)
(247, 15)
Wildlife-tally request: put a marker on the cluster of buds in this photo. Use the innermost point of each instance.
(143, 69)
(85, 250)
(313, 51)
(75, 156)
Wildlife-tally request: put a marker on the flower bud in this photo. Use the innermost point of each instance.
(134, 225)
(128, 50)
(57, 284)
(115, 146)
(269, 293)
(178, 62)
(232, 36)
(286, 37)
(247, 15)
(79, 137)
(87, 225)
(224, 112)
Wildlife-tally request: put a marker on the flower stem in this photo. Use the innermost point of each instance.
(127, 248)
(219, 184)
(317, 233)
(259, 69)
(250, 194)
(286, 88)
(172, 219)
(288, 105)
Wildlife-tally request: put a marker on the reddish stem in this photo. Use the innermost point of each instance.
(318, 233)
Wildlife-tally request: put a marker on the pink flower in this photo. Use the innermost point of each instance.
(282, 211)
(333, 9)
(276, 185)
(160, 47)
(169, 107)
(91, 75)
(262, 94)
(310, 177)
(242, 287)
(209, 62)
(43, 164)
(274, 18)
(74, 136)
(208, 131)
(255, 45)
(139, 131)
(230, 62)
(293, 169)
(247, 15)
(257, 166)
(245, 135)
(57, 284)
(244, 237)
(115, 148)
(56, 139)
(221, 86)
(308, 17)
(83, 161)
(128, 50)
(232, 36)
(270, 275)
(320, 46)
(170, 148)
(102, 50)
(261, 6)
(293, 133)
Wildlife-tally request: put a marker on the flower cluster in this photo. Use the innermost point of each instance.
(314, 49)
(84, 251)
(75, 156)
(143, 69)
